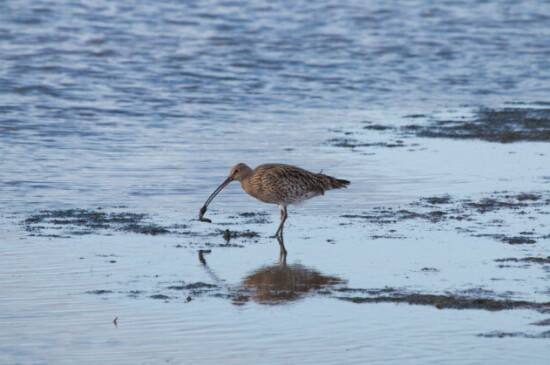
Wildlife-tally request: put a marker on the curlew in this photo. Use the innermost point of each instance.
(278, 184)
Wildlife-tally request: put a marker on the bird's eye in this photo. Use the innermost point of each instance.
(237, 170)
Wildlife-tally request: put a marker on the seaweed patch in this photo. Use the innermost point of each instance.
(493, 125)
(84, 222)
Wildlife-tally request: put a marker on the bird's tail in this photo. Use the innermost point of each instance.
(342, 183)
(330, 182)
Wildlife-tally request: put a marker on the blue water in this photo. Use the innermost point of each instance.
(147, 105)
(114, 100)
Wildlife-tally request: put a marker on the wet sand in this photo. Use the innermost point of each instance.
(107, 277)
(357, 279)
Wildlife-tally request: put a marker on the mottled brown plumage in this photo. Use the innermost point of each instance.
(279, 184)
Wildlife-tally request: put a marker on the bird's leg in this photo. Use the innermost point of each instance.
(284, 215)
(201, 256)
(282, 255)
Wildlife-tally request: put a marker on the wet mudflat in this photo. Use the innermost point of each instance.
(113, 134)
(478, 265)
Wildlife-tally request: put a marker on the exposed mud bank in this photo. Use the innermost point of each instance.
(461, 300)
(64, 223)
(480, 217)
(494, 125)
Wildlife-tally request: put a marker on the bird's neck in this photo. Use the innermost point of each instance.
(246, 182)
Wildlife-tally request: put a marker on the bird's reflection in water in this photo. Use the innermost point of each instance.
(283, 283)
(275, 284)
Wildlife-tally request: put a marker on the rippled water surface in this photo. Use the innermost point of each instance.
(119, 118)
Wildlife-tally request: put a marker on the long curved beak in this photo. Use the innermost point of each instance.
(213, 195)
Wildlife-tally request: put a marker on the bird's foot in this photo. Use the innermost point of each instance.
(278, 235)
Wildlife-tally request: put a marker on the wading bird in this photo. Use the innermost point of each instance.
(278, 184)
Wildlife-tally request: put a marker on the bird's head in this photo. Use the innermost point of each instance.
(240, 172)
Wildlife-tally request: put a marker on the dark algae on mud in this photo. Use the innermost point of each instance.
(84, 221)
(493, 125)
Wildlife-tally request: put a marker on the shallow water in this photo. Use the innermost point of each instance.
(117, 120)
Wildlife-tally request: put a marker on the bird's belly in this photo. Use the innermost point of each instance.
(295, 197)
(298, 198)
